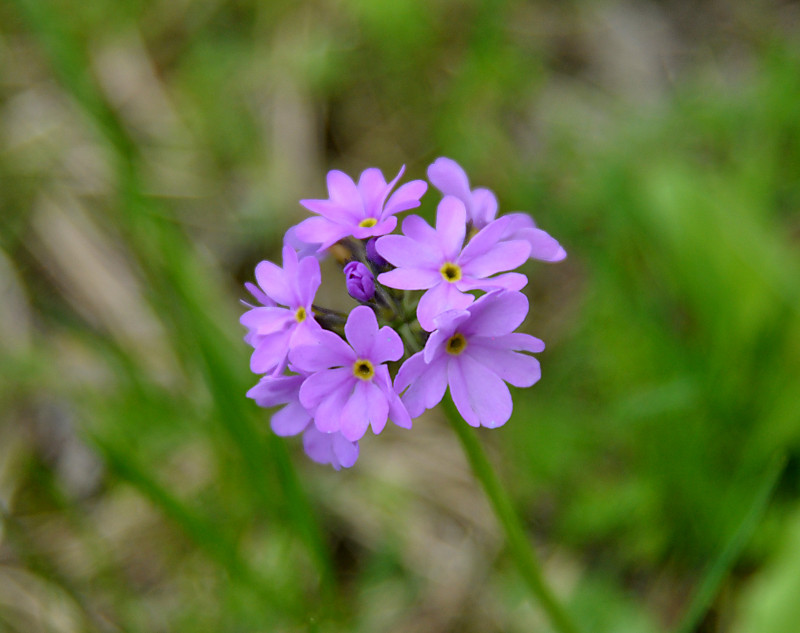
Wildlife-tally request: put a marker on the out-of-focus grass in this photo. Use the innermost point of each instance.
(152, 153)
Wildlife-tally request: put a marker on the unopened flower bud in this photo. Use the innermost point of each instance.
(359, 280)
(374, 256)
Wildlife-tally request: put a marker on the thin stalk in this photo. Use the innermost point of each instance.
(523, 554)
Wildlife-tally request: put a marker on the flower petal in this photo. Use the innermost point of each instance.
(518, 369)
(451, 226)
(322, 384)
(480, 396)
(372, 187)
(495, 314)
(410, 278)
(449, 177)
(328, 415)
(441, 298)
(321, 231)
(343, 190)
(270, 353)
(306, 282)
(502, 256)
(406, 252)
(274, 390)
(506, 281)
(345, 451)
(290, 420)
(406, 197)
(267, 320)
(323, 350)
(360, 330)
(424, 384)
(483, 208)
(420, 231)
(273, 282)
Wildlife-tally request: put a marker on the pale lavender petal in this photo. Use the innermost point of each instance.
(446, 325)
(343, 190)
(372, 187)
(321, 231)
(290, 420)
(448, 177)
(486, 239)
(397, 410)
(324, 350)
(259, 295)
(410, 278)
(290, 262)
(506, 281)
(326, 208)
(304, 249)
(322, 384)
(274, 390)
(387, 345)
(483, 208)
(273, 282)
(424, 383)
(502, 256)
(451, 226)
(270, 354)
(345, 451)
(267, 320)
(420, 231)
(520, 370)
(360, 330)
(543, 246)
(519, 341)
(441, 298)
(366, 406)
(495, 314)
(406, 197)
(406, 252)
(319, 446)
(328, 414)
(381, 228)
(307, 281)
(480, 396)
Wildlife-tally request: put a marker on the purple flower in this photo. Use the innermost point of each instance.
(433, 260)
(350, 388)
(474, 352)
(448, 177)
(359, 280)
(359, 210)
(274, 329)
(323, 448)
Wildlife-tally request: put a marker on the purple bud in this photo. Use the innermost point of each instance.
(359, 280)
(374, 256)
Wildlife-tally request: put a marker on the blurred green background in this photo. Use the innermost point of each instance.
(153, 151)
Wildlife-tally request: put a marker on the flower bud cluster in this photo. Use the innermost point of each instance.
(395, 354)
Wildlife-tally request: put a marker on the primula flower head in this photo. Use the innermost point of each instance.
(349, 387)
(359, 210)
(273, 330)
(292, 419)
(474, 352)
(448, 177)
(433, 260)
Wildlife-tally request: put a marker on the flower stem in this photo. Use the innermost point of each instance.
(521, 550)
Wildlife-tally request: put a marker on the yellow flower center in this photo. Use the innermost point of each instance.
(368, 223)
(456, 344)
(363, 369)
(450, 272)
(300, 315)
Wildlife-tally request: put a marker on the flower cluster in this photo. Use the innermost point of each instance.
(397, 352)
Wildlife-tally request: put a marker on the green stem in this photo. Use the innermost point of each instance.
(521, 550)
